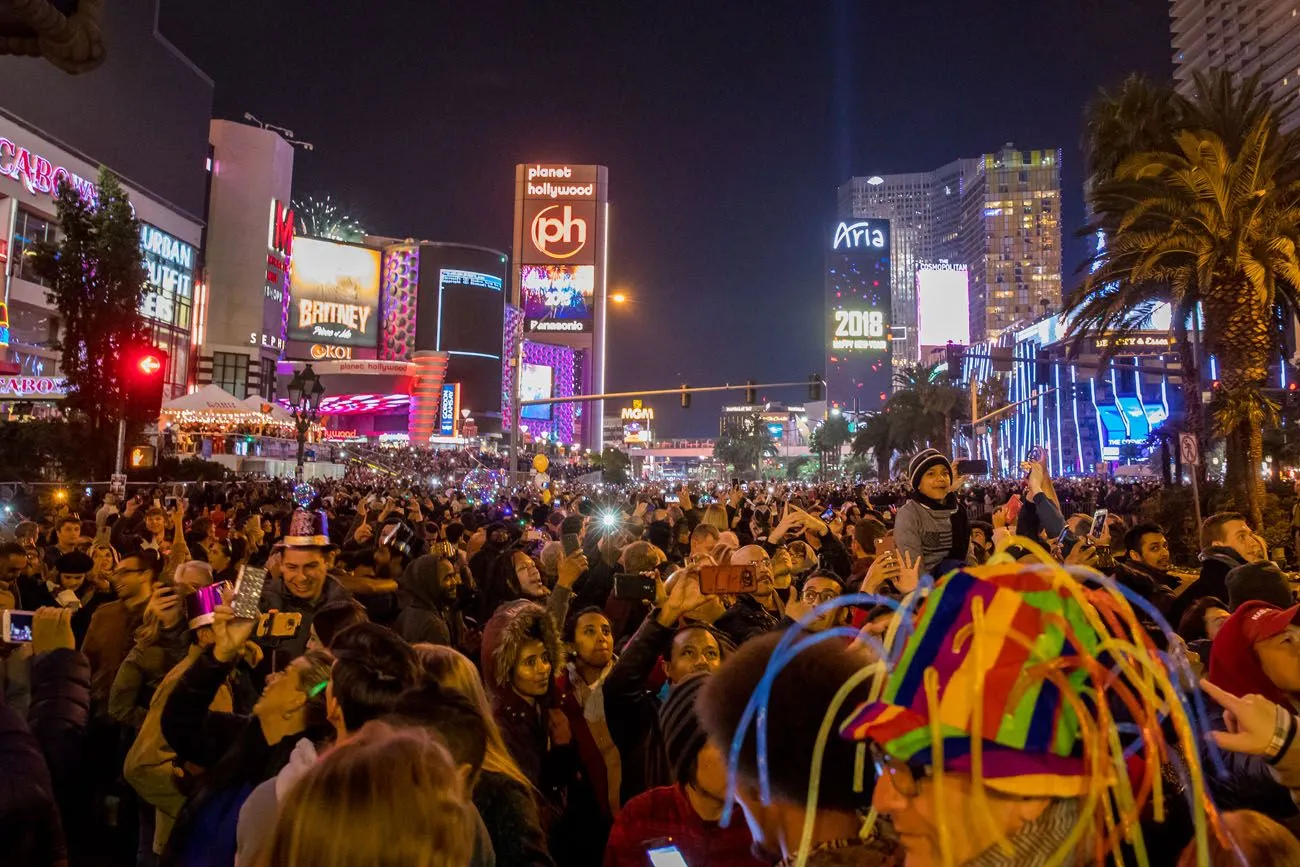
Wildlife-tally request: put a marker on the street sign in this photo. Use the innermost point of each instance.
(1189, 449)
(117, 483)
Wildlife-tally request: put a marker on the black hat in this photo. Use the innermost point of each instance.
(923, 461)
(74, 563)
(1264, 582)
(684, 737)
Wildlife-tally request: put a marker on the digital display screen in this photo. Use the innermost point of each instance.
(535, 383)
(468, 302)
(942, 306)
(859, 368)
(334, 293)
(558, 298)
(20, 627)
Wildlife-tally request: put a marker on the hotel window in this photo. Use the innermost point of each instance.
(230, 372)
(29, 230)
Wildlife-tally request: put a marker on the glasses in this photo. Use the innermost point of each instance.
(813, 597)
(905, 777)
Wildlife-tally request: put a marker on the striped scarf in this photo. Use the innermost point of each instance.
(1037, 841)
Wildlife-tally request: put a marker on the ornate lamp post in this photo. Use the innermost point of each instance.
(305, 391)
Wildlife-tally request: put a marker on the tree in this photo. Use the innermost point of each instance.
(615, 464)
(830, 437)
(876, 437)
(933, 407)
(1209, 222)
(96, 280)
(745, 447)
(991, 395)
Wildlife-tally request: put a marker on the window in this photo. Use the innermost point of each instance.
(230, 372)
(268, 378)
(29, 230)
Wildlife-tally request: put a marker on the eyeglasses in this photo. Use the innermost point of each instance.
(905, 777)
(815, 598)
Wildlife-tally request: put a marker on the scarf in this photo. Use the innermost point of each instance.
(1038, 840)
(591, 698)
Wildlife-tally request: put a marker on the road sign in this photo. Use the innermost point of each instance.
(1189, 449)
(117, 483)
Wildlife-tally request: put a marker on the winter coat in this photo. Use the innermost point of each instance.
(632, 709)
(59, 717)
(509, 812)
(235, 754)
(594, 795)
(933, 531)
(145, 666)
(16, 677)
(426, 615)
(1216, 562)
(275, 596)
(30, 826)
(108, 641)
(745, 620)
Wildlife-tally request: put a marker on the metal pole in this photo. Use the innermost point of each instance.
(121, 445)
(1196, 494)
(974, 411)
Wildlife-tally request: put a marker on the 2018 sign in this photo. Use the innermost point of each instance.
(859, 323)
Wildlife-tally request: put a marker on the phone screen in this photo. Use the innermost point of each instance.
(20, 627)
(667, 856)
(828, 514)
(1099, 522)
(571, 543)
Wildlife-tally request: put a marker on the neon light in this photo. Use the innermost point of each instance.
(474, 354)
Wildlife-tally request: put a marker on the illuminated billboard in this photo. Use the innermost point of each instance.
(535, 382)
(859, 372)
(557, 298)
(942, 305)
(334, 293)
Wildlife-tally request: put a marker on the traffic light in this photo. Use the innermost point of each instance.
(1042, 368)
(814, 387)
(143, 371)
(142, 457)
(686, 397)
(751, 393)
(954, 354)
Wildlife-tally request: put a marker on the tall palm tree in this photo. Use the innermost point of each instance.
(1211, 224)
(876, 437)
(746, 448)
(937, 405)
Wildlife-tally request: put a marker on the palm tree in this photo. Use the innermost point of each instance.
(1214, 222)
(992, 395)
(876, 437)
(936, 405)
(830, 437)
(746, 447)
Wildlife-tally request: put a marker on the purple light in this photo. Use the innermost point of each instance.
(356, 404)
(562, 360)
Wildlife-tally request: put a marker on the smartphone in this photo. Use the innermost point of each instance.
(727, 579)
(169, 502)
(666, 856)
(571, 544)
(16, 627)
(631, 585)
(828, 514)
(1099, 522)
(970, 467)
(248, 592)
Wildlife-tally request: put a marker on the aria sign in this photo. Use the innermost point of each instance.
(864, 234)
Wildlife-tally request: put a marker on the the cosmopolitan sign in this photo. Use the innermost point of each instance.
(38, 174)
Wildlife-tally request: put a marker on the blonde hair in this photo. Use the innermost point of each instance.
(1253, 838)
(715, 515)
(451, 669)
(385, 797)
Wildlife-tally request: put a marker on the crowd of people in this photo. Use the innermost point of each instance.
(249, 673)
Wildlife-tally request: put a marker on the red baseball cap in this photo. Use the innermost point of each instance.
(1262, 621)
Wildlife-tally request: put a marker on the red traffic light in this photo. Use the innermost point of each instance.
(149, 365)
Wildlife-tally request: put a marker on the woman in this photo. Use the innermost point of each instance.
(503, 795)
(385, 797)
(1200, 623)
(237, 752)
(513, 574)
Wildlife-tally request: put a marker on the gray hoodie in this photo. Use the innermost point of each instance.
(924, 531)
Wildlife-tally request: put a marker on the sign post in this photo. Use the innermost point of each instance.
(1190, 451)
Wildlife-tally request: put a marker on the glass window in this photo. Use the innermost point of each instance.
(230, 372)
(32, 325)
(29, 230)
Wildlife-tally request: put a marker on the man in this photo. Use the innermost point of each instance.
(1021, 799)
(631, 706)
(868, 533)
(820, 588)
(105, 511)
(688, 810)
(1226, 543)
(703, 539)
(13, 560)
(111, 632)
(981, 541)
(757, 612)
(67, 532)
(304, 584)
(801, 692)
(1145, 567)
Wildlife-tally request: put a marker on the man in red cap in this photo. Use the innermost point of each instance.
(1257, 652)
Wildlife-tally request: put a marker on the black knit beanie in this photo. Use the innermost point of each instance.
(684, 737)
(923, 461)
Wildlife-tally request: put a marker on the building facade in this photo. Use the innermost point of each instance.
(1244, 37)
(998, 214)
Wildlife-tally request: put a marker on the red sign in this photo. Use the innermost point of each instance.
(38, 174)
(281, 229)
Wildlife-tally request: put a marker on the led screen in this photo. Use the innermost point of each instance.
(334, 293)
(859, 370)
(535, 384)
(942, 306)
(557, 298)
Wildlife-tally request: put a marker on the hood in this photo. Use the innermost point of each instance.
(420, 579)
(504, 635)
(300, 762)
(1220, 554)
(1233, 665)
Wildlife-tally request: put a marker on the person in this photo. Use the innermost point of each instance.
(513, 575)
(1254, 839)
(632, 704)
(1011, 782)
(1201, 623)
(594, 792)
(521, 650)
(930, 525)
(1226, 543)
(304, 585)
(757, 612)
(1263, 582)
(331, 620)
(372, 667)
(868, 534)
(67, 533)
(502, 794)
(237, 752)
(428, 599)
(1145, 567)
(703, 540)
(802, 692)
(820, 588)
(688, 810)
(107, 510)
(981, 542)
(386, 796)
(109, 636)
(74, 590)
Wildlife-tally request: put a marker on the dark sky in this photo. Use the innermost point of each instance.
(726, 126)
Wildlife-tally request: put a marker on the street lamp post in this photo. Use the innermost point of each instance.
(305, 391)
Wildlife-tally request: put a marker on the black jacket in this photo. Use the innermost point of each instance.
(276, 596)
(1216, 562)
(632, 709)
(745, 620)
(1249, 785)
(510, 814)
(1151, 584)
(30, 826)
(59, 716)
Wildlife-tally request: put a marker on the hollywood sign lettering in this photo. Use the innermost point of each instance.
(320, 315)
(39, 175)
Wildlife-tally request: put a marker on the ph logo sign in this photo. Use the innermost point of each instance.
(557, 233)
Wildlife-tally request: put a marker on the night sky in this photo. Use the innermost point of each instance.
(726, 130)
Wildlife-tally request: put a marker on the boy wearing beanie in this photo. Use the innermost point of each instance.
(931, 526)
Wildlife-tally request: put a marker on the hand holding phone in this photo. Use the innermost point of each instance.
(16, 626)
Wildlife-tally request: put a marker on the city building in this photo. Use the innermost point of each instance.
(143, 114)
(1244, 37)
(997, 214)
(788, 425)
(859, 369)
